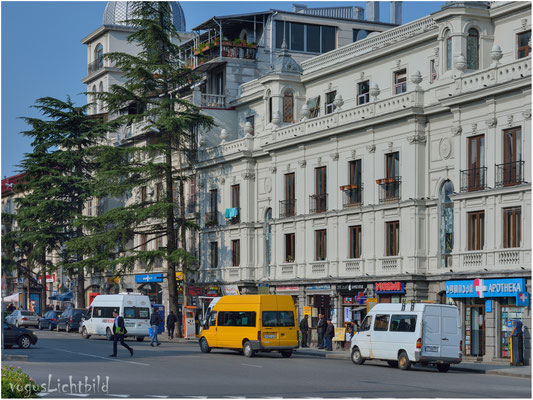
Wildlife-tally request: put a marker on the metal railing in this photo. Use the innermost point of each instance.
(211, 219)
(353, 196)
(95, 66)
(473, 179)
(287, 208)
(318, 203)
(236, 219)
(389, 189)
(510, 174)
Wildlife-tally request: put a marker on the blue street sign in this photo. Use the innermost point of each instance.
(488, 288)
(147, 278)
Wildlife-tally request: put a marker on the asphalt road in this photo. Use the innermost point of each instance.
(181, 370)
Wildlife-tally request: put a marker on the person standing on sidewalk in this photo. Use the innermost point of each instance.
(304, 328)
(119, 330)
(171, 323)
(330, 333)
(518, 343)
(155, 319)
(321, 330)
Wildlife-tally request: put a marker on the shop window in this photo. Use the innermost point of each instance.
(363, 89)
(314, 107)
(330, 98)
(523, 48)
(508, 314)
(476, 230)
(320, 245)
(472, 49)
(236, 252)
(251, 120)
(400, 81)
(402, 323)
(446, 222)
(393, 238)
(355, 241)
(382, 322)
(289, 247)
(214, 254)
(448, 50)
(511, 227)
(288, 107)
(432, 71)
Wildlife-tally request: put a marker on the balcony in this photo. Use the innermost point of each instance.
(95, 66)
(211, 219)
(389, 189)
(318, 203)
(210, 51)
(473, 179)
(287, 208)
(233, 215)
(391, 264)
(212, 100)
(192, 205)
(353, 195)
(510, 174)
(352, 267)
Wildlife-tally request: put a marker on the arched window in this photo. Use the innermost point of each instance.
(99, 55)
(100, 102)
(446, 222)
(448, 49)
(472, 49)
(267, 233)
(288, 107)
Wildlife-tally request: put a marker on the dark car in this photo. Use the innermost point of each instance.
(22, 337)
(70, 319)
(49, 320)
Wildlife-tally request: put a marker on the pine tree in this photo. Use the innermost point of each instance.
(58, 182)
(152, 79)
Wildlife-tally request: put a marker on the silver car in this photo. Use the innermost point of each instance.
(23, 318)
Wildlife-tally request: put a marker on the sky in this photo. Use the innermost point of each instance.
(42, 54)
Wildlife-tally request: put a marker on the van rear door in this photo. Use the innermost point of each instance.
(432, 333)
(269, 328)
(451, 332)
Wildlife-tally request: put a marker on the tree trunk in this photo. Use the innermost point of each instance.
(43, 283)
(80, 288)
(183, 238)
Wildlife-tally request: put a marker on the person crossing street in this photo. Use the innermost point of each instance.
(171, 323)
(155, 319)
(119, 330)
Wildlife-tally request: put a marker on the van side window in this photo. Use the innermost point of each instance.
(403, 323)
(103, 312)
(236, 318)
(365, 326)
(129, 312)
(382, 322)
(213, 318)
(278, 318)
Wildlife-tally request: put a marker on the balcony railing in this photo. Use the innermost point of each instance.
(287, 208)
(389, 189)
(318, 203)
(213, 100)
(192, 205)
(95, 66)
(211, 219)
(233, 219)
(473, 179)
(353, 195)
(510, 174)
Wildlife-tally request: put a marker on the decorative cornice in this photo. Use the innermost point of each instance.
(371, 148)
(248, 176)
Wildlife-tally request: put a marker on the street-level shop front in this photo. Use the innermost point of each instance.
(353, 298)
(390, 291)
(488, 307)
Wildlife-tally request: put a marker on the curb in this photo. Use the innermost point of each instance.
(508, 374)
(14, 357)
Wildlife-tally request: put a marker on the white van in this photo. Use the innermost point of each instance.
(134, 307)
(403, 334)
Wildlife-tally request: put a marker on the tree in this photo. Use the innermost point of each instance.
(168, 123)
(58, 182)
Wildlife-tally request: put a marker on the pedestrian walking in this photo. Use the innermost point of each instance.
(171, 324)
(119, 330)
(330, 333)
(321, 330)
(155, 319)
(517, 351)
(304, 328)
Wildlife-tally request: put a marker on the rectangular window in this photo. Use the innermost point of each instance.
(476, 161)
(159, 191)
(448, 53)
(355, 172)
(236, 318)
(235, 196)
(251, 120)
(214, 254)
(159, 242)
(512, 227)
(306, 37)
(144, 240)
(403, 323)
(381, 323)
(314, 107)
(512, 145)
(313, 38)
(297, 37)
(363, 89)
(213, 201)
(330, 98)
(393, 238)
(103, 312)
(328, 38)
(400, 81)
(320, 245)
(236, 252)
(289, 247)
(272, 319)
(142, 313)
(355, 242)
(432, 71)
(290, 199)
(392, 165)
(523, 44)
(476, 230)
(143, 194)
(320, 181)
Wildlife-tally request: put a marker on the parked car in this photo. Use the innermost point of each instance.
(49, 320)
(13, 335)
(23, 318)
(70, 319)
(404, 334)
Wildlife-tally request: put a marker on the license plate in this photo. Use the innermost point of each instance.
(270, 336)
(431, 348)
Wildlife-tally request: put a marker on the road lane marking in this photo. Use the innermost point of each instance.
(118, 395)
(104, 358)
(78, 394)
(251, 365)
(157, 396)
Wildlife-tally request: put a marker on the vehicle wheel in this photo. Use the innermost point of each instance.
(108, 334)
(67, 328)
(50, 328)
(140, 338)
(286, 353)
(393, 364)
(444, 367)
(248, 350)
(84, 333)
(204, 346)
(24, 342)
(403, 361)
(57, 328)
(357, 358)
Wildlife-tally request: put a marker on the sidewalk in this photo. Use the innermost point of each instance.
(473, 367)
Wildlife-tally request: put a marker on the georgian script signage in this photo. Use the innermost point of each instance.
(389, 287)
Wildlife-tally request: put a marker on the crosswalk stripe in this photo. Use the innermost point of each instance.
(118, 395)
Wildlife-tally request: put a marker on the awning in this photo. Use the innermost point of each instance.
(65, 296)
(52, 298)
(14, 298)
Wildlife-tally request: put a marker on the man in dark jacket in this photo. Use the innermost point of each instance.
(171, 322)
(330, 333)
(119, 330)
(304, 328)
(154, 323)
(321, 330)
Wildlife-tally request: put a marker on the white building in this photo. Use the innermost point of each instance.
(395, 167)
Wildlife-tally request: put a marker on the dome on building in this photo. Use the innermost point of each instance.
(118, 12)
(285, 63)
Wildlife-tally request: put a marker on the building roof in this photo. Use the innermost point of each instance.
(9, 183)
(119, 12)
